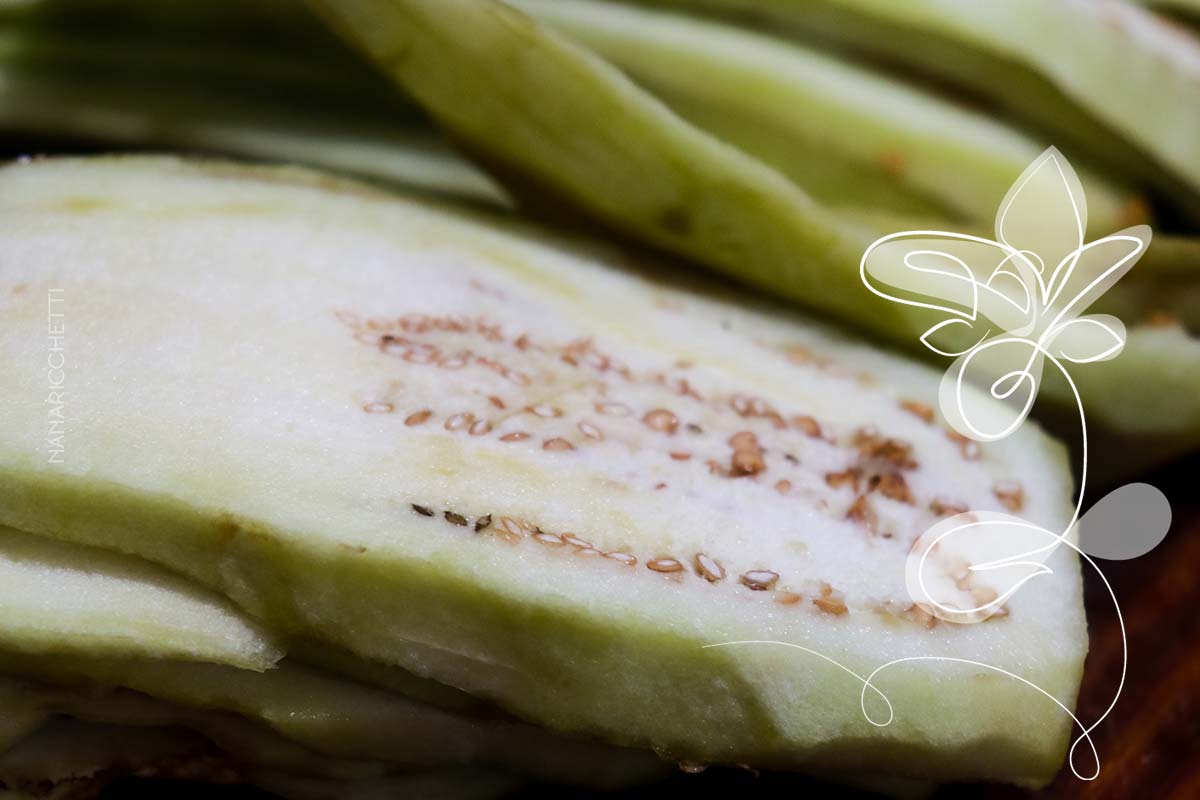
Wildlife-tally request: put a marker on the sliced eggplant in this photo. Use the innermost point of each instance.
(767, 96)
(101, 622)
(475, 65)
(1051, 63)
(130, 91)
(62, 600)
(563, 474)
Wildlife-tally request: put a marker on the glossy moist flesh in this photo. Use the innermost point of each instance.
(538, 473)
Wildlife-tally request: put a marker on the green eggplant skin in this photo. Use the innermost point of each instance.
(475, 65)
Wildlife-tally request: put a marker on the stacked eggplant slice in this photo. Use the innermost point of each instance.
(483, 471)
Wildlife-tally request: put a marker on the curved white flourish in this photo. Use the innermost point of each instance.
(1085, 732)
(1010, 305)
(1013, 303)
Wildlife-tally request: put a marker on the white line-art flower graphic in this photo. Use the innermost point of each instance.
(1012, 302)
(1011, 305)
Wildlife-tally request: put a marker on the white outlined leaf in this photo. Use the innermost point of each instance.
(989, 391)
(1002, 552)
(956, 274)
(1080, 281)
(951, 337)
(1085, 340)
(1044, 214)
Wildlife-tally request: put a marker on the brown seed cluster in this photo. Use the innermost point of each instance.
(458, 422)
(759, 580)
(418, 417)
(968, 447)
(920, 616)
(919, 410)
(661, 420)
(807, 425)
(831, 601)
(751, 407)
(1010, 494)
(892, 452)
(863, 512)
(879, 468)
(709, 568)
(945, 508)
(590, 431)
(747, 456)
(894, 486)
(849, 477)
(513, 530)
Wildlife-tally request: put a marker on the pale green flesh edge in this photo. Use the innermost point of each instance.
(149, 612)
(662, 181)
(64, 600)
(109, 517)
(114, 517)
(1011, 52)
(739, 83)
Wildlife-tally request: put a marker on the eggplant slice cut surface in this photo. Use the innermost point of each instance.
(559, 471)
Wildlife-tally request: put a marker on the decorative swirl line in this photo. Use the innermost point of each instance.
(868, 683)
(1040, 224)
